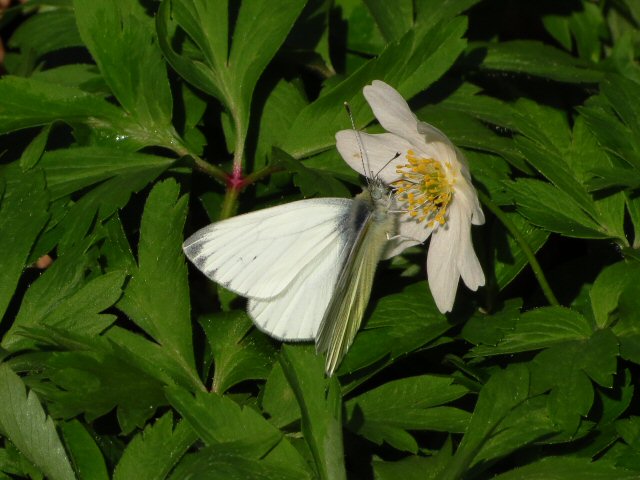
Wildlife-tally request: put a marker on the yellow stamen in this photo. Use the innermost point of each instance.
(424, 188)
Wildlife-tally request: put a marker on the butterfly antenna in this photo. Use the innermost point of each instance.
(387, 164)
(365, 167)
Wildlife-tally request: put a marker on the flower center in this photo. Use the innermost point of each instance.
(424, 189)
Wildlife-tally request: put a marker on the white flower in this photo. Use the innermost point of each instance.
(432, 185)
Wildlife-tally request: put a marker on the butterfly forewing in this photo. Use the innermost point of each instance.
(259, 254)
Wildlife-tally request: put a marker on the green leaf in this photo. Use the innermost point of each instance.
(546, 143)
(414, 467)
(92, 378)
(57, 295)
(63, 299)
(116, 250)
(280, 109)
(153, 359)
(471, 99)
(364, 36)
(491, 329)
(558, 27)
(567, 468)
(320, 402)
(504, 392)
(393, 19)
(85, 77)
(509, 258)
(28, 102)
(620, 93)
(137, 76)
(523, 425)
(99, 204)
(12, 462)
(232, 463)
(625, 327)
(23, 212)
(311, 182)
(85, 454)
(565, 370)
(608, 287)
(399, 324)
(157, 297)
(24, 422)
(31, 155)
(155, 451)
(468, 129)
(410, 65)
(222, 423)
(432, 12)
(413, 403)
(47, 32)
(72, 169)
(240, 352)
(553, 209)
(600, 363)
(540, 328)
(535, 58)
(614, 119)
(227, 72)
(278, 399)
(218, 420)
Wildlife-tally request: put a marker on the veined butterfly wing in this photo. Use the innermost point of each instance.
(285, 259)
(259, 254)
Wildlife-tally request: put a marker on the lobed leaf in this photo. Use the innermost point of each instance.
(85, 454)
(239, 351)
(320, 403)
(155, 451)
(386, 413)
(25, 423)
(23, 212)
(157, 296)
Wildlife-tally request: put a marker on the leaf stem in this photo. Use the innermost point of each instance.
(526, 248)
(198, 163)
(260, 174)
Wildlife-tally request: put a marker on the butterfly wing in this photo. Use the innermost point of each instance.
(259, 254)
(296, 313)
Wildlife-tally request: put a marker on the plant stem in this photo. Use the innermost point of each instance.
(518, 237)
(230, 202)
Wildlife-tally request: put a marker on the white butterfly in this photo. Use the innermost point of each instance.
(307, 267)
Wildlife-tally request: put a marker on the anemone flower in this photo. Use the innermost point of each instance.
(431, 183)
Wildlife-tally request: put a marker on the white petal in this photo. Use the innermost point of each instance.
(467, 261)
(410, 232)
(432, 134)
(477, 216)
(391, 110)
(396, 246)
(442, 269)
(380, 150)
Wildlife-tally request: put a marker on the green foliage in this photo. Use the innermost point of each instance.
(128, 125)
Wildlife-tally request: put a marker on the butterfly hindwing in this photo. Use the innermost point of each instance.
(296, 313)
(346, 309)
